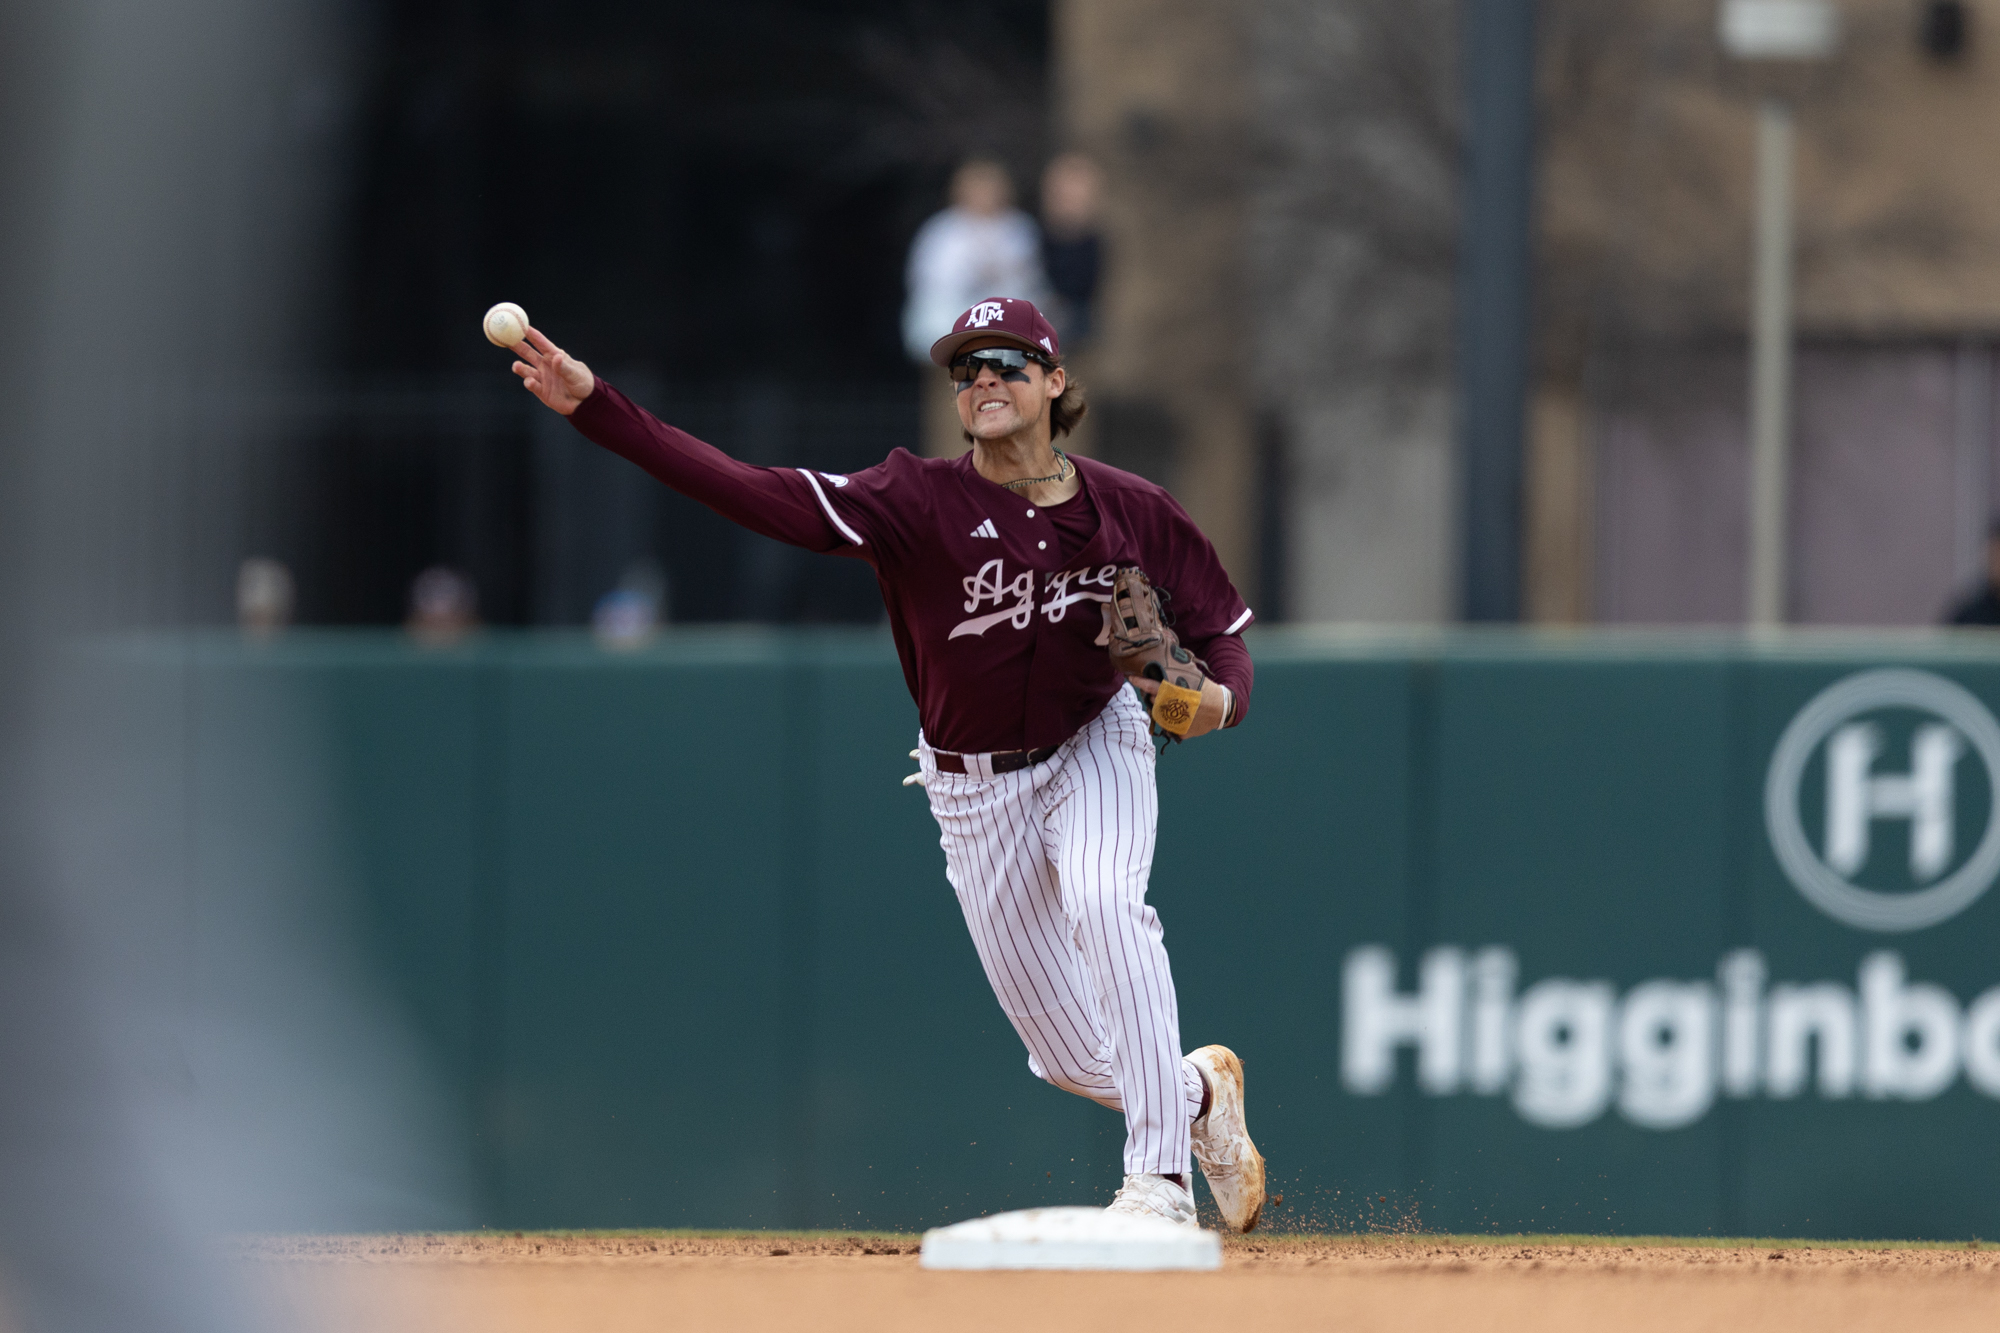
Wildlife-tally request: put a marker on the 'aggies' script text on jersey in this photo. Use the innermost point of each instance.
(996, 626)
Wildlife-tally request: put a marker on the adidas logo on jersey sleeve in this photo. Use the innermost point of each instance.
(986, 529)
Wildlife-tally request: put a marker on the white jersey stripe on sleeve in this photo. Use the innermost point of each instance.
(1241, 620)
(838, 522)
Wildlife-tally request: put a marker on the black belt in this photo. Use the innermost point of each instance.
(1004, 761)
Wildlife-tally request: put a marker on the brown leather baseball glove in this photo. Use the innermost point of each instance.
(1143, 644)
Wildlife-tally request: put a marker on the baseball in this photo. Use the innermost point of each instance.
(506, 324)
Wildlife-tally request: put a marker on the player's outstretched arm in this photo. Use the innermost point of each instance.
(781, 502)
(551, 374)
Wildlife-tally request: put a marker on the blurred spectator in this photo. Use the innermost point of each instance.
(631, 613)
(978, 247)
(1072, 243)
(1982, 607)
(264, 596)
(444, 605)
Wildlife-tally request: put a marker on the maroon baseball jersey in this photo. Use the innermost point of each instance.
(996, 628)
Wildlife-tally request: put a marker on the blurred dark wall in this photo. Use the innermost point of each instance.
(710, 204)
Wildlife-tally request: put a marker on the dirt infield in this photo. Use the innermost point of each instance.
(613, 1283)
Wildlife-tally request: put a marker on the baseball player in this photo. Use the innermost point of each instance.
(1025, 590)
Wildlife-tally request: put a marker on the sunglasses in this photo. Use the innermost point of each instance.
(1009, 363)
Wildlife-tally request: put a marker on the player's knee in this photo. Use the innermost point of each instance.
(1067, 1081)
(1109, 908)
(1092, 1083)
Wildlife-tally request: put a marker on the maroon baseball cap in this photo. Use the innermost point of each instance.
(1006, 317)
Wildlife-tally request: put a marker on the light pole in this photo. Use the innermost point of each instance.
(1772, 30)
(1496, 260)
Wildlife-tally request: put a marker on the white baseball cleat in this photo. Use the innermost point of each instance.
(1147, 1195)
(1230, 1163)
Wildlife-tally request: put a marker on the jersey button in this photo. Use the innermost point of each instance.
(1031, 513)
(1041, 546)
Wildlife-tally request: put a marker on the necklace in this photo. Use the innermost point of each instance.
(1063, 470)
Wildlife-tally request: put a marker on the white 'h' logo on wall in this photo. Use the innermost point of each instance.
(1959, 728)
(1855, 798)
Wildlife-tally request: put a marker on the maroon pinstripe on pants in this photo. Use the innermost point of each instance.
(1050, 865)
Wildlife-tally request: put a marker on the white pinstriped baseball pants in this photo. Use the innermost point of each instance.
(1050, 865)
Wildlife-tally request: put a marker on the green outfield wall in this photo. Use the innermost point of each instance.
(1630, 934)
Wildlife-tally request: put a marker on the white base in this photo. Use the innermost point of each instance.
(1070, 1238)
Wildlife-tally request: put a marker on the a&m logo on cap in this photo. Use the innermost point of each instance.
(983, 314)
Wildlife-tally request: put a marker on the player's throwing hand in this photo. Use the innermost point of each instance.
(551, 374)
